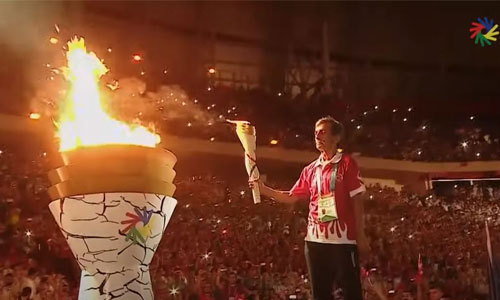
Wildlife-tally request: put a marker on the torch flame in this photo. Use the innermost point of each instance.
(83, 122)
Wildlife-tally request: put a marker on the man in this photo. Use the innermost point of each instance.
(436, 291)
(335, 229)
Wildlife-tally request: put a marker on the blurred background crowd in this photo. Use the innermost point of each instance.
(413, 92)
(219, 245)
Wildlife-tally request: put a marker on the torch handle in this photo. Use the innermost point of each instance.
(256, 194)
(253, 174)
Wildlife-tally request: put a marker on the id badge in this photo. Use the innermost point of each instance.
(327, 209)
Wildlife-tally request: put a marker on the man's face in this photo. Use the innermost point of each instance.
(324, 138)
(406, 296)
(435, 294)
(9, 280)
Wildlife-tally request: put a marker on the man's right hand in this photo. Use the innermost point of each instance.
(258, 182)
(280, 196)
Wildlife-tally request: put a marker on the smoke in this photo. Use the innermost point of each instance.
(128, 99)
(167, 103)
(24, 26)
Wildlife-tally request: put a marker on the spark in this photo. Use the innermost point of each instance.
(113, 86)
(174, 291)
(35, 116)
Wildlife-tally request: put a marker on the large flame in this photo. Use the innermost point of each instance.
(83, 122)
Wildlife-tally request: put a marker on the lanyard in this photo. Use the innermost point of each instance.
(333, 178)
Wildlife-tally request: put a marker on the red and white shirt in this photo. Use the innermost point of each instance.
(348, 184)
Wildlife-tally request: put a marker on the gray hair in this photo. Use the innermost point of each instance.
(336, 127)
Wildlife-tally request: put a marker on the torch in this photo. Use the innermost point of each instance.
(246, 134)
(111, 189)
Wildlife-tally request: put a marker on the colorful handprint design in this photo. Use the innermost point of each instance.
(477, 31)
(134, 232)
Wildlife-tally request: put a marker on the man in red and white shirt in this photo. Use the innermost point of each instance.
(335, 230)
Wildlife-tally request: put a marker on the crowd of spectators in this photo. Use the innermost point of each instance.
(406, 132)
(219, 245)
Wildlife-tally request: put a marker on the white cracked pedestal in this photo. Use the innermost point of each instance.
(114, 237)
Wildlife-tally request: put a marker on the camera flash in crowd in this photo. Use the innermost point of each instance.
(174, 291)
(35, 116)
(137, 57)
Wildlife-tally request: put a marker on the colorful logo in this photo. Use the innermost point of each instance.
(134, 231)
(491, 31)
